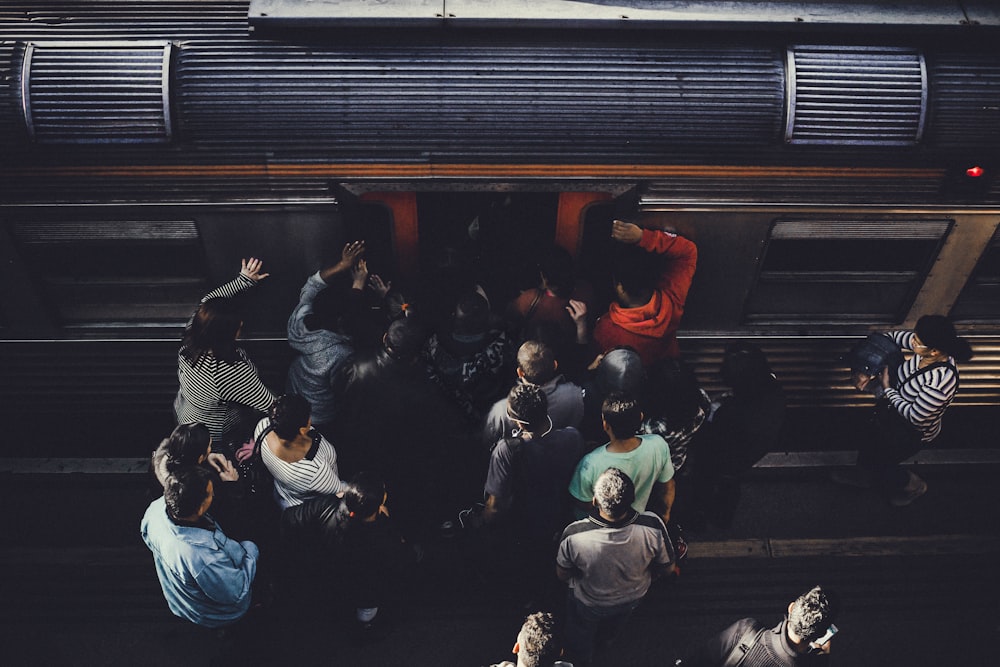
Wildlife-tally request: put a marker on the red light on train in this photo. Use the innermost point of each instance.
(974, 172)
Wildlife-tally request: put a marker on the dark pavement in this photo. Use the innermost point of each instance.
(919, 584)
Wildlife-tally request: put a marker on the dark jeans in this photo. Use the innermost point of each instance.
(588, 626)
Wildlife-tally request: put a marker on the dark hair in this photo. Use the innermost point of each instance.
(614, 492)
(556, 266)
(538, 641)
(745, 367)
(938, 332)
(184, 446)
(671, 393)
(397, 306)
(620, 371)
(185, 490)
(212, 330)
(635, 270)
(288, 414)
(404, 339)
(528, 404)
(364, 495)
(537, 361)
(812, 613)
(472, 312)
(623, 415)
(328, 308)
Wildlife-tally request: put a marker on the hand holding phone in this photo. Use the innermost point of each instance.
(821, 645)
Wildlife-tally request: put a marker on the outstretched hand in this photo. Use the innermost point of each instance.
(626, 232)
(252, 269)
(359, 274)
(351, 252)
(378, 286)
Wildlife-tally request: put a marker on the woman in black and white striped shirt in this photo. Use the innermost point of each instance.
(217, 379)
(911, 404)
(302, 462)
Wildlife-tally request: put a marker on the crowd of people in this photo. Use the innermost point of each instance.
(568, 449)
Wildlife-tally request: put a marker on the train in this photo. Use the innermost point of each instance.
(835, 163)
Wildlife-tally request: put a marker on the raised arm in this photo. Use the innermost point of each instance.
(683, 255)
(349, 256)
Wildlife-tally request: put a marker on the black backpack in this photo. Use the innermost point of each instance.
(871, 355)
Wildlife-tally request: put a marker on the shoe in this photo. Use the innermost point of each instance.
(914, 488)
(852, 476)
(680, 544)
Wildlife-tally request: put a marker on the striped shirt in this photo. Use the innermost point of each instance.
(921, 398)
(212, 391)
(309, 477)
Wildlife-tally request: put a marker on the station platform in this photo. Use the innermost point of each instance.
(919, 584)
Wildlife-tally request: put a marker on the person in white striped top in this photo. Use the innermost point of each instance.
(217, 379)
(911, 403)
(302, 461)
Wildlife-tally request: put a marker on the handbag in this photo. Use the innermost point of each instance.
(257, 478)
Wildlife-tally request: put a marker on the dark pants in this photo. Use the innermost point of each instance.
(587, 627)
(891, 441)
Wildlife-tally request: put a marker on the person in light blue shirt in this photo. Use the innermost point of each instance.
(206, 577)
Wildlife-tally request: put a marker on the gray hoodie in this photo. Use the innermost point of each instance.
(321, 355)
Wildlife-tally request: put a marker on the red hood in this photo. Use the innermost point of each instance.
(650, 319)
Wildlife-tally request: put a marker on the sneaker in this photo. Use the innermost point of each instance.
(914, 488)
(680, 544)
(852, 476)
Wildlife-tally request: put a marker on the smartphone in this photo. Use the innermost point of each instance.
(817, 644)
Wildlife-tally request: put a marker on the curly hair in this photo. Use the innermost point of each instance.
(288, 414)
(812, 613)
(527, 404)
(614, 492)
(537, 640)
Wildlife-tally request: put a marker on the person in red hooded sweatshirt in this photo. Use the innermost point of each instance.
(645, 315)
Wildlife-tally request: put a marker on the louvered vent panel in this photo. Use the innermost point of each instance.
(849, 190)
(965, 98)
(860, 229)
(106, 231)
(87, 93)
(478, 101)
(855, 95)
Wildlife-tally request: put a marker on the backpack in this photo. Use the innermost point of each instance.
(750, 638)
(871, 355)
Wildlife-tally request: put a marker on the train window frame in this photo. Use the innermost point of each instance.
(109, 297)
(982, 287)
(878, 283)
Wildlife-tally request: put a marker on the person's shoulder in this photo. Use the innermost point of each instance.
(654, 441)
(261, 426)
(566, 434)
(579, 527)
(591, 458)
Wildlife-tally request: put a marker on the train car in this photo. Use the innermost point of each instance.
(834, 163)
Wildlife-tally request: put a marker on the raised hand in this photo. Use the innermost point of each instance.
(378, 286)
(359, 274)
(626, 232)
(351, 252)
(252, 269)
